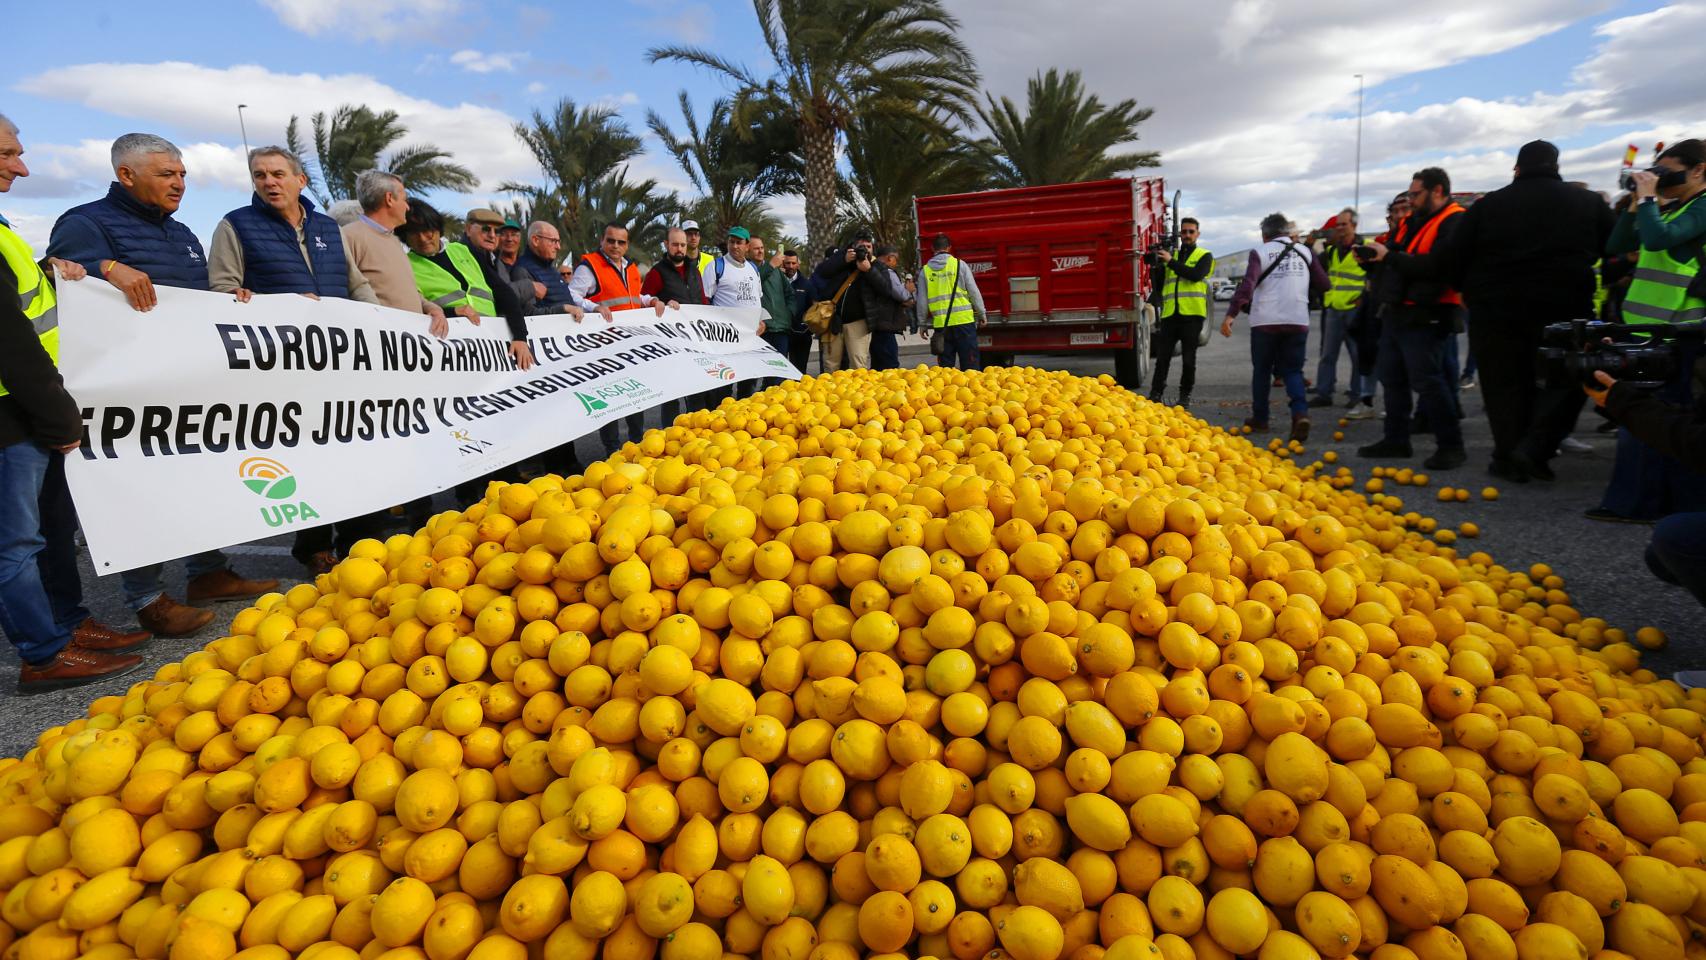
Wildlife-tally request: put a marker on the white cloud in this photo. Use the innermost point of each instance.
(475, 61)
(675, 22)
(366, 19)
(535, 88)
(616, 101)
(1247, 19)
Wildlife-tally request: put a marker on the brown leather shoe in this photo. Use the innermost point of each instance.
(226, 585)
(169, 618)
(321, 562)
(94, 635)
(74, 666)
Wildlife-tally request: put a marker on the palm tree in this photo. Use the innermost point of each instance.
(576, 148)
(895, 160)
(734, 171)
(645, 209)
(350, 143)
(1063, 136)
(836, 61)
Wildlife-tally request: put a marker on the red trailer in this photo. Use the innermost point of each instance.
(1060, 267)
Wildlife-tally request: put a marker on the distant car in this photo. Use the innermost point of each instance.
(1223, 290)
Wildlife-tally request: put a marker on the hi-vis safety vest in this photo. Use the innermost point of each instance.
(35, 293)
(1187, 298)
(1659, 292)
(613, 291)
(1347, 277)
(948, 303)
(450, 291)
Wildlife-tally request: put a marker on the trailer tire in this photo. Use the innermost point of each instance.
(1132, 368)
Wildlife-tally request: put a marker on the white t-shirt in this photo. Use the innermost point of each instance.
(739, 286)
(1283, 298)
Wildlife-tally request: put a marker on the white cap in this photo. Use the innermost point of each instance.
(689, 224)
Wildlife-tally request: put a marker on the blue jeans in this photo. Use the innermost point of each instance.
(41, 595)
(1277, 352)
(960, 349)
(885, 350)
(144, 585)
(1677, 553)
(1412, 358)
(1334, 334)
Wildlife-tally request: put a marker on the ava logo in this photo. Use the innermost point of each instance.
(717, 369)
(1070, 263)
(268, 478)
(590, 403)
(468, 444)
(319, 244)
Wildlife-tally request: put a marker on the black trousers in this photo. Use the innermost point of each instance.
(336, 537)
(1527, 419)
(1177, 333)
(800, 343)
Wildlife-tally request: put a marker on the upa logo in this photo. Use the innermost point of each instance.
(717, 369)
(266, 477)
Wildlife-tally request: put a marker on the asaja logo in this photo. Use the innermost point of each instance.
(619, 392)
(717, 369)
(266, 477)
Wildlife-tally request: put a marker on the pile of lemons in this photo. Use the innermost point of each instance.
(918, 663)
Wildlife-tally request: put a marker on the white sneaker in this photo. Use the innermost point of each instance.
(1572, 445)
(1364, 411)
(1690, 679)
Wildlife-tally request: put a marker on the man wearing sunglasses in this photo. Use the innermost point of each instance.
(604, 282)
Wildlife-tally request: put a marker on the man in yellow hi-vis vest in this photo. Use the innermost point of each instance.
(1339, 306)
(1183, 279)
(41, 594)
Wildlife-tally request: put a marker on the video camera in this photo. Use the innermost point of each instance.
(1644, 355)
(1166, 241)
(1667, 177)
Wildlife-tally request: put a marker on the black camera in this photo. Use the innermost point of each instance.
(1166, 241)
(1644, 356)
(1667, 177)
(861, 253)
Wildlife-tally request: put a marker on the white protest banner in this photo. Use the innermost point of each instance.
(211, 422)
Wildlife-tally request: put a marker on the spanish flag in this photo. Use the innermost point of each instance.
(1630, 154)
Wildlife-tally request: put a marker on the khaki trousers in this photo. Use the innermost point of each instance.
(856, 338)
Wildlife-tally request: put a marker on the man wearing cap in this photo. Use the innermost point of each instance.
(1527, 253)
(1339, 305)
(695, 256)
(483, 231)
(509, 249)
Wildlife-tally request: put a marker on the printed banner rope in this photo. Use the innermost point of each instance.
(209, 422)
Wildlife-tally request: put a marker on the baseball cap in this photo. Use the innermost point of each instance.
(484, 215)
(740, 233)
(1332, 222)
(689, 225)
(510, 225)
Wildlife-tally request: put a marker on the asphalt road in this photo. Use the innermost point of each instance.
(1533, 523)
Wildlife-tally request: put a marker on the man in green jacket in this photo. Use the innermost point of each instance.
(776, 293)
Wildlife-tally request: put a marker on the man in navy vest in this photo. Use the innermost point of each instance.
(544, 246)
(130, 239)
(280, 244)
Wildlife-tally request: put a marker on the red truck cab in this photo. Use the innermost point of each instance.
(1060, 267)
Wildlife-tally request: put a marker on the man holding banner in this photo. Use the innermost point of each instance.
(130, 238)
(41, 594)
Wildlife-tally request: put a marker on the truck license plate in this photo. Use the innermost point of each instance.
(986, 341)
(1087, 339)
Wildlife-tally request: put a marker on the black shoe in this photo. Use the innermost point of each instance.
(1156, 394)
(1446, 458)
(1259, 427)
(1386, 450)
(1539, 470)
(1509, 470)
(1320, 401)
(1184, 401)
(1600, 513)
(1300, 428)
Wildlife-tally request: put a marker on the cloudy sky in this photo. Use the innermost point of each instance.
(1255, 100)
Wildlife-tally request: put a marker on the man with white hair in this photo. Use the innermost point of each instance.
(280, 243)
(376, 253)
(539, 259)
(41, 591)
(130, 238)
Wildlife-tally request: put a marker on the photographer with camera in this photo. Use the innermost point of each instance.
(842, 273)
(1677, 553)
(1663, 219)
(1183, 283)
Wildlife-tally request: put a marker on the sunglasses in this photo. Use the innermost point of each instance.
(485, 228)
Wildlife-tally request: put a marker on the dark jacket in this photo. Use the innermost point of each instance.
(1409, 288)
(119, 227)
(830, 275)
(272, 260)
(1667, 428)
(885, 296)
(801, 285)
(521, 281)
(557, 294)
(671, 283)
(777, 296)
(36, 408)
(1532, 242)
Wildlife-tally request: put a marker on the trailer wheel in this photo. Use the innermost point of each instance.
(1132, 368)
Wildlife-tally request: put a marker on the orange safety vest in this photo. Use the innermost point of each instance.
(618, 292)
(1423, 242)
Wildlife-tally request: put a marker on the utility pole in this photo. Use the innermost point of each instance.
(245, 128)
(1357, 203)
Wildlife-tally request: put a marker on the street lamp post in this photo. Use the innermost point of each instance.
(1357, 202)
(244, 127)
